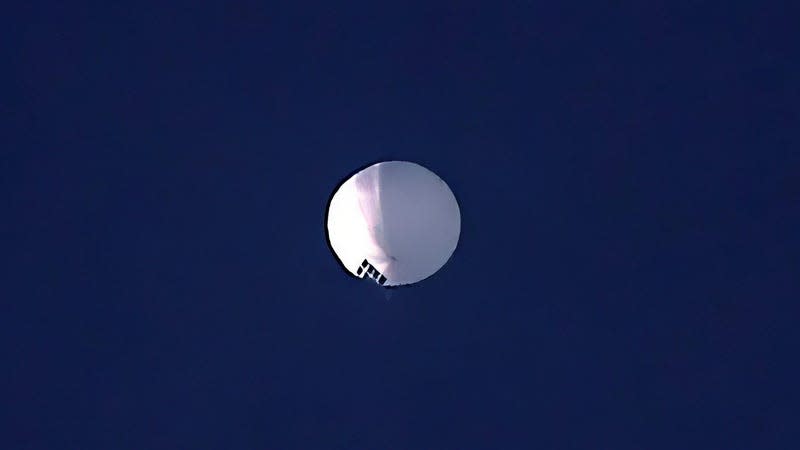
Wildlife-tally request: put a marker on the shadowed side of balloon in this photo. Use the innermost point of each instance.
(417, 226)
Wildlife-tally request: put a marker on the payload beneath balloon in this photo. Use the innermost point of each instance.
(395, 222)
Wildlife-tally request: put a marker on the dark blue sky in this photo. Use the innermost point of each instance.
(627, 275)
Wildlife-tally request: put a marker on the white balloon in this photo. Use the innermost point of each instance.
(394, 221)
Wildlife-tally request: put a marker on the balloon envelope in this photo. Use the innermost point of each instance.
(394, 221)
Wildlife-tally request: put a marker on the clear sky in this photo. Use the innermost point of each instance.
(626, 277)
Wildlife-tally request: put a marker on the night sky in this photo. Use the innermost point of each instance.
(628, 271)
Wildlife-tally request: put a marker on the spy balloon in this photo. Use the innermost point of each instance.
(395, 222)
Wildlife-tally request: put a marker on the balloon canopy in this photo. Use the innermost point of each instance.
(395, 221)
